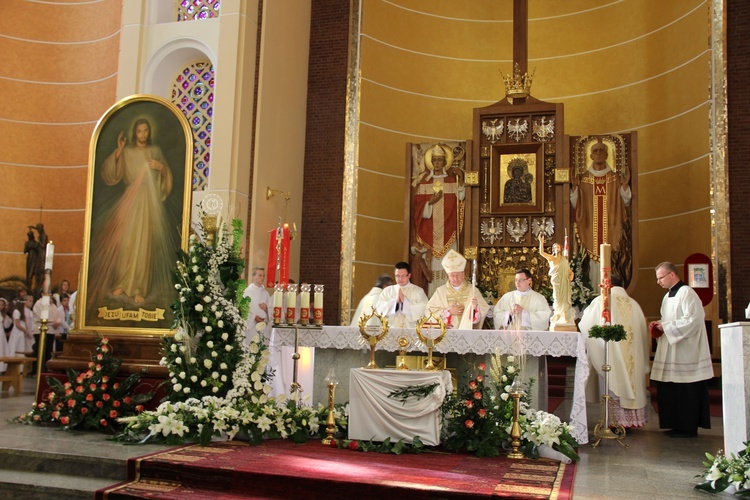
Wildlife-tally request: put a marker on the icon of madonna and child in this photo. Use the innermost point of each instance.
(139, 214)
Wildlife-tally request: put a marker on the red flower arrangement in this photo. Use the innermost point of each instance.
(87, 401)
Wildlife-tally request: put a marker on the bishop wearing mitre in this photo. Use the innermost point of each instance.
(459, 303)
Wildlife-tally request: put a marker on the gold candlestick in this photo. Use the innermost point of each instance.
(606, 429)
(210, 225)
(332, 382)
(515, 429)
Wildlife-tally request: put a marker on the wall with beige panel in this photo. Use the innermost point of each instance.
(58, 76)
(632, 65)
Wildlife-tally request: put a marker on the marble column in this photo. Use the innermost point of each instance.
(735, 384)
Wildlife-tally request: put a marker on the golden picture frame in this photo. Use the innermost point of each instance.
(138, 202)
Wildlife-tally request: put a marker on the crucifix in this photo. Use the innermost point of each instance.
(518, 83)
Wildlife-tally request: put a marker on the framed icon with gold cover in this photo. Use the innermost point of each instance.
(137, 217)
(517, 179)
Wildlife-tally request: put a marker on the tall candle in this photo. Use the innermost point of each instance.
(304, 304)
(605, 251)
(318, 305)
(45, 307)
(49, 256)
(291, 304)
(278, 303)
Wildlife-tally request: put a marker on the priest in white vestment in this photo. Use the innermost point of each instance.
(403, 303)
(458, 302)
(368, 301)
(522, 308)
(628, 359)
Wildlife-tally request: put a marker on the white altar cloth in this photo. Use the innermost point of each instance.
(373, 415)
(533, 343)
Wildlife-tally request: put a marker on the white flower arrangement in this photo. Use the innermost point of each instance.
(726, 473)
(209, 397)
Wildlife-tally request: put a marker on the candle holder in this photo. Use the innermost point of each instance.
(373, 334)
(331, 381)
(318, 305)
(210, 226)
(606, 429)
(429, 341)
(296, 388)
(304, 304)
(516, 391)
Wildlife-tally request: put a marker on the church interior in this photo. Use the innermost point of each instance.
(316, 113)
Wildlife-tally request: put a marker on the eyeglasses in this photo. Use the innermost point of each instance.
(659, 278)
(521, 280)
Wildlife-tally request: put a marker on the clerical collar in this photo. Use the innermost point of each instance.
(673, 290)
(599, 173)
(459, 287)
(407, 284)
(527, 292)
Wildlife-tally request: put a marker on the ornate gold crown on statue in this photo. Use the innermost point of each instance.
(518, 85)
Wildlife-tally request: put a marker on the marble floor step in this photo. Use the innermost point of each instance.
(26, 485)
(67, 464)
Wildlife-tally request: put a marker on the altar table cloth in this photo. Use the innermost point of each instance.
(533, 343)
(373, 415)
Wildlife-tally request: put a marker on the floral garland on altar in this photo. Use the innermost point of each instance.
(480, 417)
(218, 380)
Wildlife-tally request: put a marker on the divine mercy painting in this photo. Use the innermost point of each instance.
(137, 216)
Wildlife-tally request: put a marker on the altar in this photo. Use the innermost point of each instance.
(344, 348)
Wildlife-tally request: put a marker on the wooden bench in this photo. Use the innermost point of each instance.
(12, 376)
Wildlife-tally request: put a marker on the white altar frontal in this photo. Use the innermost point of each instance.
(344, 348)
(374, 415)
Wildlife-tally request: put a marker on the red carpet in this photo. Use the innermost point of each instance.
(281, 469)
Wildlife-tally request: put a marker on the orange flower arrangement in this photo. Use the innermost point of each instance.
(88, 400)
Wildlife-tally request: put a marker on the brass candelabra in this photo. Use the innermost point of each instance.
(332, 382)
(515, 429)
(608, 428)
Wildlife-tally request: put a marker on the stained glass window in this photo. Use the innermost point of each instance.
(188, 10)
(193, 93)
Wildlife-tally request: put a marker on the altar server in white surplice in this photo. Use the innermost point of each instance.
(459, 302)
(522, 308)
(259, 313)
(403, 303)
(368, 301)
(628, 359)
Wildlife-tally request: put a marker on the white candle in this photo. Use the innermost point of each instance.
(49, 256)
(278, 299)
(45, 306)
(605, 251)
(318, 300)
(304, 300)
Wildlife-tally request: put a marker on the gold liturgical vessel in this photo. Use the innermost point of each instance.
(373, 333)
(429, 323)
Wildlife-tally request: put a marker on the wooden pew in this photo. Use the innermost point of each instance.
(12, 376)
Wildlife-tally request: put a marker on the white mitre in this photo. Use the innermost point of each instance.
(454, 262)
